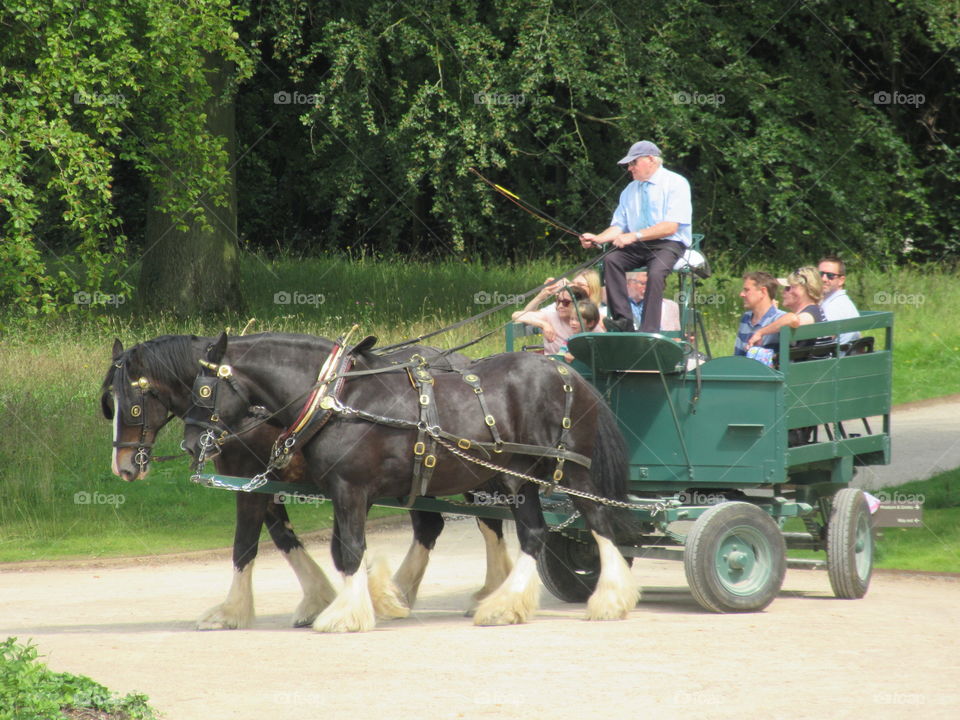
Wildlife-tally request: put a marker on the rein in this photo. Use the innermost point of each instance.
(490, 311)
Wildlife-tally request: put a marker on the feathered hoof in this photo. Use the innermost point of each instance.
(343, 620)
(226, 617)
(388, 600)
(308, 610)
(607, 610)
(507, 608)
(351, 610)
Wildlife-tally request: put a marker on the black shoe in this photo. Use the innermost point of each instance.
(618, 324)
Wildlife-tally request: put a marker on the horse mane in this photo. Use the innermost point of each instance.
(167, 359)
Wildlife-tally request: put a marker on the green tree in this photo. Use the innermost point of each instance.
(772, 111)
(87, 87)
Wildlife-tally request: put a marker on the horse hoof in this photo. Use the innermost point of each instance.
(224, 618)
(344, 623)
(502, 616)
(307, 611)
(388, 602)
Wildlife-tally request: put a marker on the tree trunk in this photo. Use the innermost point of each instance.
(196, 270)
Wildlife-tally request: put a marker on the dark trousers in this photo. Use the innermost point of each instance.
(659, 256)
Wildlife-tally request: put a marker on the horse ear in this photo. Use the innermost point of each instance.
(218, 349)
(117, 349)
(368, 342)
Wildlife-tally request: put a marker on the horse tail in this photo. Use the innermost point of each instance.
(610, 469)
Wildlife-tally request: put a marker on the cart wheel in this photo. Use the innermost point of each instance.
(570, 569)
(849, 545)
(735, 558)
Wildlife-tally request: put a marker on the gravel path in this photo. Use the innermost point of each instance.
(130, 625)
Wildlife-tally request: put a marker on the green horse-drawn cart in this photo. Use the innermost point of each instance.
(723, 452)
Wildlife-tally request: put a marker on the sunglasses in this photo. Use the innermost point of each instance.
(829, 276)
(563, 301)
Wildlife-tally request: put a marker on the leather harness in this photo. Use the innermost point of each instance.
(326, 393)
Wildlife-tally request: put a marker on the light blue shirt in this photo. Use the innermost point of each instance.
(668, 200)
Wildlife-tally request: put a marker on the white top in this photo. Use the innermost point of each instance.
(838, 306)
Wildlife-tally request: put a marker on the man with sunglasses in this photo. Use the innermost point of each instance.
(836, 304)
(651, 226)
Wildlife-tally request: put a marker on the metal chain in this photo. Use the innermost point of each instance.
(657, 506)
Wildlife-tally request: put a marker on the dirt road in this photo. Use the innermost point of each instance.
(130, 626)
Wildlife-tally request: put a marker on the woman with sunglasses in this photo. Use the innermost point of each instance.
(553, 320)
(801, 297)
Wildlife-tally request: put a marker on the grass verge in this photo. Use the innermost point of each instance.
(55, 448)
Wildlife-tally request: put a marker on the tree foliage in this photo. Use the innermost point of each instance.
(91, 90)
(803, 127)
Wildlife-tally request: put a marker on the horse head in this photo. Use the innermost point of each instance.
(220, 405)
(130, 399)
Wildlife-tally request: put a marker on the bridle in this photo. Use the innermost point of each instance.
(135, 416)
(206, 389)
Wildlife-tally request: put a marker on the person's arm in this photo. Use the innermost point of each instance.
(537, 318)
(549, 288)
(588, 240)
(794, 320)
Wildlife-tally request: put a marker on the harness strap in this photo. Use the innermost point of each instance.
(308, 422)
(565, 424)
(461, 442)
(473, 381)
(425, 448)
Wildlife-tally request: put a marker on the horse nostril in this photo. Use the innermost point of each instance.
(127, 476)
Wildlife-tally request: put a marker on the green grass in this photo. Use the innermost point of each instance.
(54, 444)
(31, 691)
(936, 545)
(932, 547)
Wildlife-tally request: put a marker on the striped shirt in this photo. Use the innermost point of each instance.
(747, 328)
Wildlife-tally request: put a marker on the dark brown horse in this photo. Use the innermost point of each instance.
(542, 411)
(149, 384)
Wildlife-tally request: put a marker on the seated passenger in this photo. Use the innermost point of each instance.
(759, 292)
(637, 290)
(554, 320)
(801, 296)
(585, 318)
(589, 281)
(836, 304)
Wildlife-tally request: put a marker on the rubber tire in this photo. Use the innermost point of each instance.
(850, 569)
(747, 525)
(570, 569)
